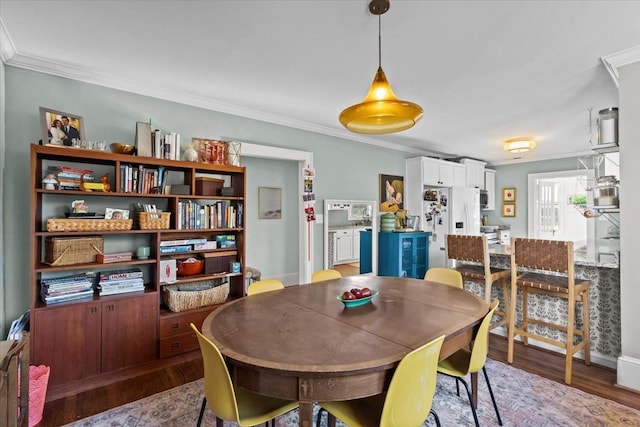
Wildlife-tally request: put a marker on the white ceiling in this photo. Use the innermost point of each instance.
(483, 71)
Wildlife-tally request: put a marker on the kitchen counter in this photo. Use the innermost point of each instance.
(604, 299)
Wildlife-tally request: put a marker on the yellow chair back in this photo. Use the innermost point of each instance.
(481, 342)
(448, 276)
(410, 394)
(321, 275)
(218, 388)
(266, 285)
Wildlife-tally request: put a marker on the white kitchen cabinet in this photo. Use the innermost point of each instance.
(474, 173)
(344, 245)
(459, 175)
(437, 172)
(490, 187)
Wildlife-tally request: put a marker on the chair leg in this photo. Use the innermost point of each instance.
(202, 408)
(457, 387)
(435, 417)
(505, 301)
(570, 336)
(525, 315)
(493, 399)
(473, 407)
(319, 416)
(512, 319)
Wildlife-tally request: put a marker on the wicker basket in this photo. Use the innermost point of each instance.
(180, 298)
(72, 250)
(154, 220)
(78, 224)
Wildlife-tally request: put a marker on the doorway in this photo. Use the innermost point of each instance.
(557, 201)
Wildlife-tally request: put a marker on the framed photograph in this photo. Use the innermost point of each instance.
(111, 213)
(269, 203)
(509, 210)
(509, 195)
(60, 128)
(391, 189)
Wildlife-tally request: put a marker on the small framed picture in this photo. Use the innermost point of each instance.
(59, 128)
(509, 210)
(509, 194)
(269, 203)
(111, 213)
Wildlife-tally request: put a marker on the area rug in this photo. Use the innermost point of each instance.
(524, 399)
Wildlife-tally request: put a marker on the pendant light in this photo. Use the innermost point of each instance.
(381, 111)
(519, 145)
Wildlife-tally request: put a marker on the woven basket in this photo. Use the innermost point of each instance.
(154, 220)
(182, 300)
(72, 250)
(78, 224)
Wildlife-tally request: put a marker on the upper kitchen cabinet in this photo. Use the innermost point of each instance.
(474, 173)
(439, 173)
(490, 187)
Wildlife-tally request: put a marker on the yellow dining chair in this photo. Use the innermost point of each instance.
(448, 276)
(408, 400)
(229, 403)
(464, 362)
(266, 285)
(322, 275)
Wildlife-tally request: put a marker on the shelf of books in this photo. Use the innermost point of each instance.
(111, 228)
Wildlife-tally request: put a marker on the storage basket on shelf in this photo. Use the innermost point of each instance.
(72, 250)
(154, 220)
(79, 224)
(189, 296)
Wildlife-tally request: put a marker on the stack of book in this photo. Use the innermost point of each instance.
(120, 281)
(67, 288)
(70, 178)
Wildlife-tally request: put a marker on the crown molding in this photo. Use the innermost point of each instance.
(619, 59)
(10, 56)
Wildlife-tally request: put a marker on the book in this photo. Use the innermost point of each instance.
(69, 297)
(68, 279)
(120, 291)
(130, 273)
(175, 249)
(183, 242)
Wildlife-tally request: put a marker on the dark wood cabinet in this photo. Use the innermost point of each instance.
(97, 338)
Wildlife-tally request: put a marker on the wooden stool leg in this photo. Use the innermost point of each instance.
(505, 300)
(487, 290)
(512, 320)
(570, 336)
(586, 330)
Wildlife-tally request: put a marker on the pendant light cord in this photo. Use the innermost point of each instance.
(379, 42)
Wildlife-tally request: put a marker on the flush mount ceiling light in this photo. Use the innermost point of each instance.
(519, 145)
(381, 111)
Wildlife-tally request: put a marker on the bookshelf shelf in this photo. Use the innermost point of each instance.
(96, 329)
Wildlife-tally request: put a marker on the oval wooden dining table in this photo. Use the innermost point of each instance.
(301, 343)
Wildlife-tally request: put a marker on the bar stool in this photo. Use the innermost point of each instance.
(554, 276)
(471, 254)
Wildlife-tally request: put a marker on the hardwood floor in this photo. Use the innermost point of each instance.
(592, 379)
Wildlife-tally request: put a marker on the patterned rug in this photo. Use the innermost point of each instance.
(524, 399)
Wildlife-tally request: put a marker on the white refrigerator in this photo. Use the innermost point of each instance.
(453, 210)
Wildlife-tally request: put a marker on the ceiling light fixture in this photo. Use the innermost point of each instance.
(519, 145)
(381, 111)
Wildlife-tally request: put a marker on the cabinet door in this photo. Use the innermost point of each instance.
(446, 174)
(68, 341)
(128, 331)
(459, 175)
(344, 245)
(421, 252)
(430, 171)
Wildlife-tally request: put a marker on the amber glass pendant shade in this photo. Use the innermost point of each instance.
(381, 111)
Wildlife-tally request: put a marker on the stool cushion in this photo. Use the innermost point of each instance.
(549, 282)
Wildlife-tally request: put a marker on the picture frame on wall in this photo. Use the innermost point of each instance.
(60, 128)
(391, 190)
(509, 210)
(269, 203)
(509, 194)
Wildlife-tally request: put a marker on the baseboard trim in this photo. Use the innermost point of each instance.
(629, 373)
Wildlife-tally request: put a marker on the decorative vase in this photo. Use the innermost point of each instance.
(387, 222)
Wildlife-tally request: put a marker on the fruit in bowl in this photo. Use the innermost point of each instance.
(357, 296)
(190, 266)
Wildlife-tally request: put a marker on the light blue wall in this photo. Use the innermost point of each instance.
(344, 169)
(516, 175)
